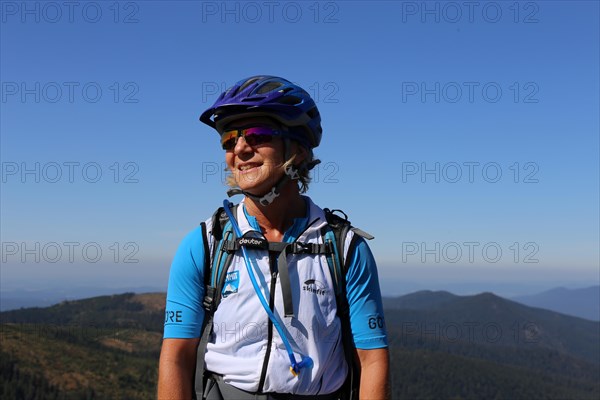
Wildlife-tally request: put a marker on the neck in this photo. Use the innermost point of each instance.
(275, 218)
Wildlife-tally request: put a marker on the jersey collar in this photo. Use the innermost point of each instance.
(316, 216)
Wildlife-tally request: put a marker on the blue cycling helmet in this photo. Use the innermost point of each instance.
(273, 97)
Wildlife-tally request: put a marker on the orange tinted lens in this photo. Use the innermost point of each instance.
(228, 140)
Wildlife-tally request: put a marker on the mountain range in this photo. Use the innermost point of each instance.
(584, 302)
(442, 346)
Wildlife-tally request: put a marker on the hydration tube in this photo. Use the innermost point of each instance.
(295, 366)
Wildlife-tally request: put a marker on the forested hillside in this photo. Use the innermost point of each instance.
(442, 346)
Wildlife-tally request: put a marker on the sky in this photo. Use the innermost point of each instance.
(463, 135)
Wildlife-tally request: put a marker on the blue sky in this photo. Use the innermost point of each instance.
(464, 137)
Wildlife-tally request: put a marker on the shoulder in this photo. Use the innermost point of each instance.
(190, 250)
(192, 239)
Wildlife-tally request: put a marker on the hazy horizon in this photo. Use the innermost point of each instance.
(414, 279)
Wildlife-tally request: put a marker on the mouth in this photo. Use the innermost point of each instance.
(249, 167)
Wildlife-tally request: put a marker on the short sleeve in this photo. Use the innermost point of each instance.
(364, 298)
(184, 313)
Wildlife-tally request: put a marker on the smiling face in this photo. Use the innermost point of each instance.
(256, 169)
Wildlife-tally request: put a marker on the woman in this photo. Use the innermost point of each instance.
(276, 332)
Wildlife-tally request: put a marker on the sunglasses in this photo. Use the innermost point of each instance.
(254, 136)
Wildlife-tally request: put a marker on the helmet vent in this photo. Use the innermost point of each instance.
(248, 83)
(252, 99)
(291, 100)
(268, 87)
(313, 112)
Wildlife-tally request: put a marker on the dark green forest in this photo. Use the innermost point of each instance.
(441, 348)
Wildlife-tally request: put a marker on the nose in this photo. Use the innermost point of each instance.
(241, 146)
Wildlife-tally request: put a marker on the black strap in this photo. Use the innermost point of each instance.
(309, 248)
(284, 276)
(340, 227)
(206, 330)
(206, 252)
(231, 246)
(227, 391)
(282, 249)
(212, 295)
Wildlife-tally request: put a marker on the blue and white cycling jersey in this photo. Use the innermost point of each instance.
(241, 349)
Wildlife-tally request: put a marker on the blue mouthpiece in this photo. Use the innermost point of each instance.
(306, 362)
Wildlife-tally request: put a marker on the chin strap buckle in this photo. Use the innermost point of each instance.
(269, 197)
(292, 172)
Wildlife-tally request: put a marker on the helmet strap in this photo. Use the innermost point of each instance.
(292, 172)
(269, 197)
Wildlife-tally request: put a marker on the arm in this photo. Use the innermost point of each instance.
(368, 323)
(183, 320)
(176, 368)
(374, 374)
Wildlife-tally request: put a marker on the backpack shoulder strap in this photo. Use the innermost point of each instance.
(214, 269)
(207, 255)
(336, 233)
(340, 227)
